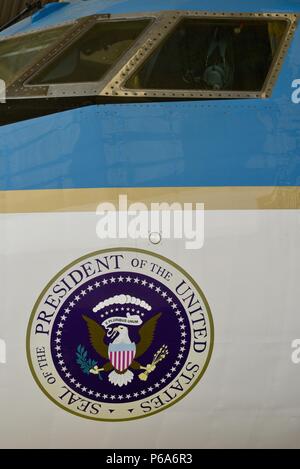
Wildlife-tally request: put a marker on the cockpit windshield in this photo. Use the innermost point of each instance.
(19, 53)
(210, 54)
(91, 56)
(163, 55)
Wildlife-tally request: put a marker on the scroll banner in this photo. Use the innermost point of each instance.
(133, 320)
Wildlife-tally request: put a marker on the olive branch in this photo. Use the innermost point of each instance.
(86, 364)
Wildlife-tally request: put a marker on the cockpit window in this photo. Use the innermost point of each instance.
(20, 52)
(213, 54)
(91, 56)
(167, 55)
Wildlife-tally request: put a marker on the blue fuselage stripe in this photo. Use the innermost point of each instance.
(154, 145)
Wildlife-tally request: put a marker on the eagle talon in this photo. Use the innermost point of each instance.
(96, 370)
(149, 368)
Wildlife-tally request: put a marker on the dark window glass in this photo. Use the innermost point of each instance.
(20, 52)
(217, 55)
(91, 56)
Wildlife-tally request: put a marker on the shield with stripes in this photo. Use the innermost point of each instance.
(121, 355)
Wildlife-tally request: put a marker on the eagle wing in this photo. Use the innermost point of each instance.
(97, 334)
(147, 334)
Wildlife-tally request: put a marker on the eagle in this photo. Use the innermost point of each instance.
(122, 353)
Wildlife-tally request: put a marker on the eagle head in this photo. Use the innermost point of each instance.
(122, 335)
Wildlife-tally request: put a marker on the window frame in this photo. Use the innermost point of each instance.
(113, 84)
(16, 85)
(169, 21)
(39, 55)
(21, 87)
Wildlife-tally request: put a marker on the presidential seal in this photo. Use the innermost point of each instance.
(119, 334)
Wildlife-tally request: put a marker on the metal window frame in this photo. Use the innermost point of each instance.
(18, 79)
(39, 56)
(113, 84)
(21, 87)
(117, 86)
